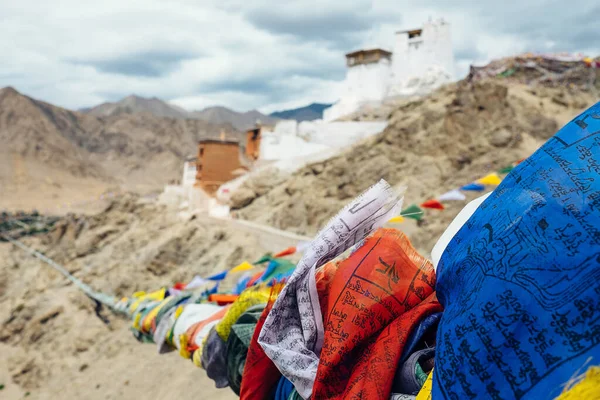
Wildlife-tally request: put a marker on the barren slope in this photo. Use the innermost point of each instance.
(438, 143)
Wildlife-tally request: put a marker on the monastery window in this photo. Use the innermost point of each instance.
(415, 33)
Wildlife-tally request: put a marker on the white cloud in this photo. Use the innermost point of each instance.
(262, 54)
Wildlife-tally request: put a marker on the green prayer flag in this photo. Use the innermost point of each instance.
(413, 211)
(266, 258)
(506, 170)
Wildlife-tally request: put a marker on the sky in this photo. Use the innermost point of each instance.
(259, 54)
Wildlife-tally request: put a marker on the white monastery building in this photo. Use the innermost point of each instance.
(421, 61)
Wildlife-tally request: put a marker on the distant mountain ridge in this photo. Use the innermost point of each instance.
(307, 113)
(241, 121)
(123, 145)
(215, 115)
(136, 104)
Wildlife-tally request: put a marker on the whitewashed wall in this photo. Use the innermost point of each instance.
(364, 84)
(426, 60)
(189, 174)
(274, 146)
(338, 134)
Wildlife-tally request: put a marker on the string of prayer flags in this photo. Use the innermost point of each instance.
(433, 203)
(413, 211)
(286, 252)
(453, 195)
(473, 187)
(492, 180)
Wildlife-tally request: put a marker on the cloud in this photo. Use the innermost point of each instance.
(244, 55)
(152, 63)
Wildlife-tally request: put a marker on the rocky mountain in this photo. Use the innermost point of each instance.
(215, 115)
(48, 151)
(307, 113)
(136, 104)
(241, 121)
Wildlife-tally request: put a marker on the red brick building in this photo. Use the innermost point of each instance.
(217, 162)
(253, 144)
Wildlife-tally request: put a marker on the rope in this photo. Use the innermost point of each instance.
(105, 299)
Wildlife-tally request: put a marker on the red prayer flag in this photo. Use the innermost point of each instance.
(378, 295)
(255, 278)
(260, 374)
(433, 203)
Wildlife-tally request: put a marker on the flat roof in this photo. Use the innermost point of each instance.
(226, 141)
(365, 51)
(412, 31)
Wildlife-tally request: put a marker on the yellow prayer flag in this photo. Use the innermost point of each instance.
(183, 344)
(141, 296)
(136, 322)
(586, 389)
(492, 179)
(197, 358)
(396, 220)
(425, 392)
(245, 266)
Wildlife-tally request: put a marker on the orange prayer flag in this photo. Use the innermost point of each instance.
(222, 299)
(286, 252)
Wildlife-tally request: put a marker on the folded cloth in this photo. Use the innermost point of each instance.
(411, 374)
(401, 396)
(293, 333)
(295, 395)
(260, 373)
(197, 332)
(422, 336)
(148, 323)
(324, 278)
(192, 313)
(284, 389)
(249, 297)
(163, 328)
(238, 343)
(214, 359)
(379, 294)
(520, 279)
(173, 302)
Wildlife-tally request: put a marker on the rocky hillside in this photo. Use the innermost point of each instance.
(49, 331)
(437, 143)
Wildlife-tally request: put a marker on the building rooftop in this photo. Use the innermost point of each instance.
(369, 51)
(224, 141)
(367, 56)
